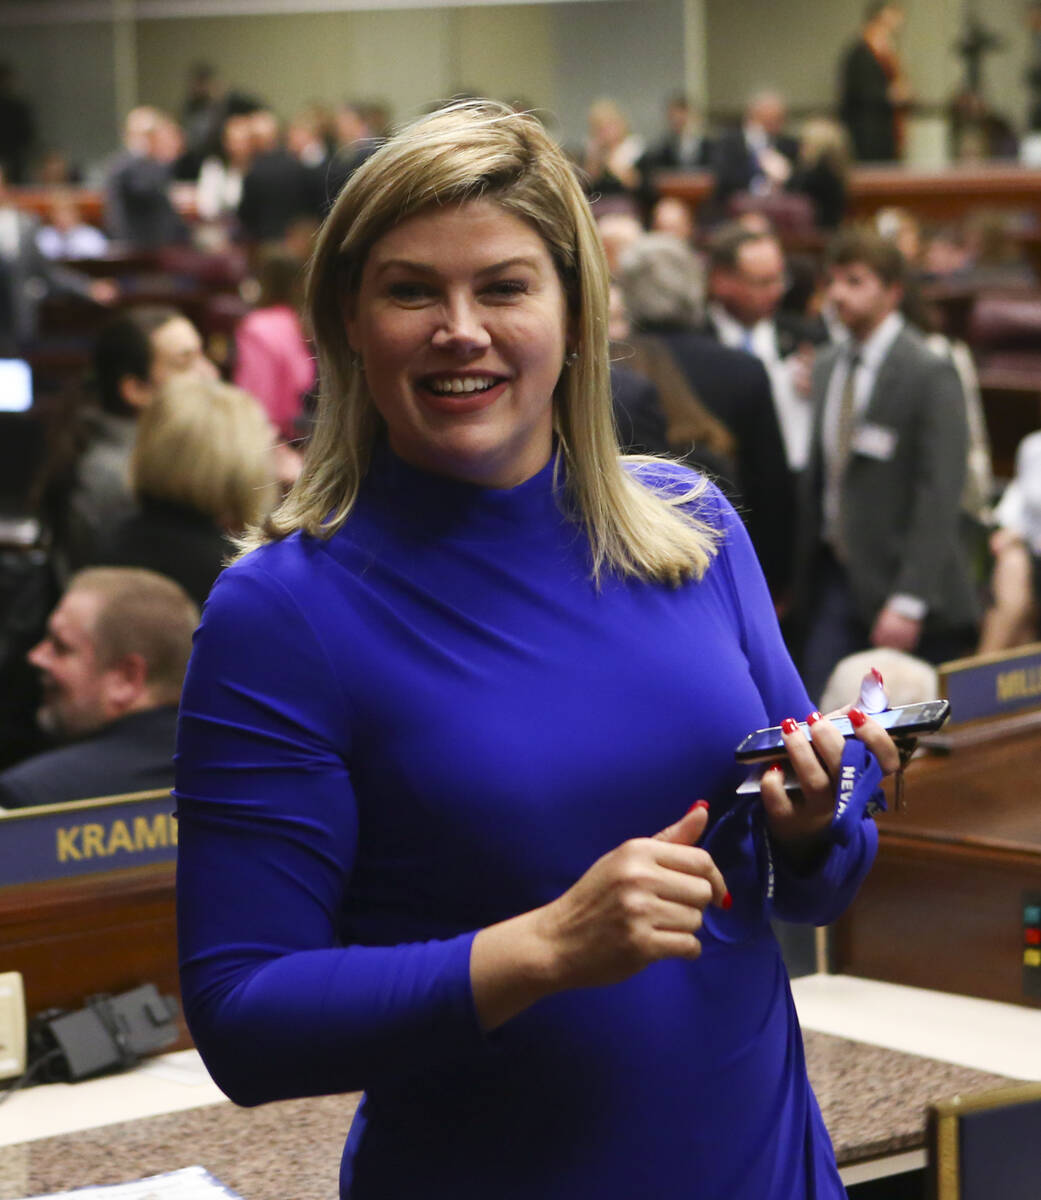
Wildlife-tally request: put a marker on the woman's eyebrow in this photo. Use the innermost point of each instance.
(421, 268)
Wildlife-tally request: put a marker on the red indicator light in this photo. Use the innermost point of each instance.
(1032, 937)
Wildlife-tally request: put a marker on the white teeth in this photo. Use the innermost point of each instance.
(459, 386)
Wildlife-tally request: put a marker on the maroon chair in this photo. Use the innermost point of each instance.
(1004, 334)
(788, 212)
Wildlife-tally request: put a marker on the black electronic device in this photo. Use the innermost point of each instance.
(902, 723)
(109, 1033)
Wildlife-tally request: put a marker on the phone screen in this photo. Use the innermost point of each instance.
(16, 385)
(911, 719)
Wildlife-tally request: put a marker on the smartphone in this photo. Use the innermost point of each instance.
(905, 722)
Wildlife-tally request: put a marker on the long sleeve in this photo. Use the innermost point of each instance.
(818, 896)
(268, 836)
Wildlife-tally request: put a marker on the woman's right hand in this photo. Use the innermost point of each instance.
(641, 902)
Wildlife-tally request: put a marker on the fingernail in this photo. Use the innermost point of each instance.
(697, 804)
(878, 676)
(726, 902)
(789, 725)
(856, 718)
(775, 767)
(813, 718)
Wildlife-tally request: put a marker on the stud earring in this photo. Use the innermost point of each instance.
(571, 358)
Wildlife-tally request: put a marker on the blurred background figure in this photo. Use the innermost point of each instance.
(354, 143)
(1011, 617)
(17, 128)
(758, 156)
(208, 104)
(54, 169)
(618, 231)
(680, 424)
(201, 470)
(67, 235)
(27, 277)
(273, 360)
(219, 187)
(309, 138)
(822, 170)
(874, 91)
(685, 145)
(85, 483)
(612, 151)
(663, 283)
(672, 215)
(139, 212)
(275, 186)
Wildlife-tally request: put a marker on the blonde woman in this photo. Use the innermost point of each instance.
(202, 470)
(456, 725)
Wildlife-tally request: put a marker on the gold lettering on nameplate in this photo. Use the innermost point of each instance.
(1020, 684)
(78, 842)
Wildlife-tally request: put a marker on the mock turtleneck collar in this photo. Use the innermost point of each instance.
(447, 507)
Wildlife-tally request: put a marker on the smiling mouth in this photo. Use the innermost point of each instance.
(459, 385)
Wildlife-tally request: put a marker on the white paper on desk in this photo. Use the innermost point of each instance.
(189, 1183)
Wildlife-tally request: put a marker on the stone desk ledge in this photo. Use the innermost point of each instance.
(873, 1101)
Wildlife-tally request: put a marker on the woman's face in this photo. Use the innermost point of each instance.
(461, 324)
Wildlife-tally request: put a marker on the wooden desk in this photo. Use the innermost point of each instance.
(942, 907)
(100, 933)
(933, 196)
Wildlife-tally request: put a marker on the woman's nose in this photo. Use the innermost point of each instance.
(461, 328)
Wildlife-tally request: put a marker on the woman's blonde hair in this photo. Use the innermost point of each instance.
(208, 446)
(468, 151)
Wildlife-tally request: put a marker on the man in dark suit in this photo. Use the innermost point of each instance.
(112, 663)
(276, 188)
(138, 208)
(880, 559)
(757, 157)
(685, 146)
(735, 388)
(746, 283)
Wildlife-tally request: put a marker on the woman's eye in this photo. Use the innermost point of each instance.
(508, 287)
(409, 292)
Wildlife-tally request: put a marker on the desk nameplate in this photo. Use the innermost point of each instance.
(992, 685)
(61, 841)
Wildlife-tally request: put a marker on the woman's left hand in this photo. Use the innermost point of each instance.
(799, 821)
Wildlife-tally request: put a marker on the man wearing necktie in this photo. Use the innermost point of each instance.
(880, 556)
(758, 156)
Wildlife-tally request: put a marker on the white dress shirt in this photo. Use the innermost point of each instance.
(794, 411)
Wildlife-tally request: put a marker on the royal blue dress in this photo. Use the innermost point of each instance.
(433, 721)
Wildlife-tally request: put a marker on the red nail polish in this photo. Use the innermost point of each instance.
(775, 767)
(697, 804)
(856, 718)
(878, 676)
(813, 718)
(789, 725)
(726, 902)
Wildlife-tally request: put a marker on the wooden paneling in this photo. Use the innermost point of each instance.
(99, 933)
(942, 907)
(936, 197)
